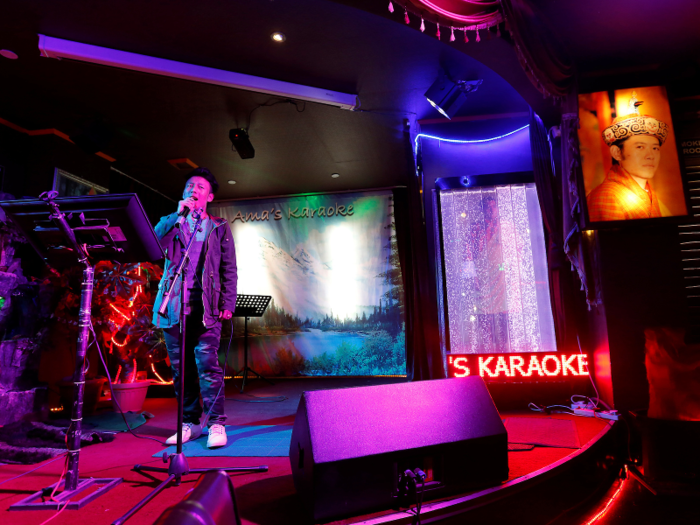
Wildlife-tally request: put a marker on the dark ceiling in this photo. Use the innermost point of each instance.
(354, 46)
(608, 36)
(328, 45)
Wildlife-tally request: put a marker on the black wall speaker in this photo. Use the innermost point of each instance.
(211, 502)
(241, 142)
(349, 446)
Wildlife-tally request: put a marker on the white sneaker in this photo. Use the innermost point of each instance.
(190, 431)
(217, 436)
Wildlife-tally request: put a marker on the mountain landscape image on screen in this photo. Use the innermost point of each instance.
(337, 302)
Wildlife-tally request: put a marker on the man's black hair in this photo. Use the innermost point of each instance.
(205, 174)
(619, 144)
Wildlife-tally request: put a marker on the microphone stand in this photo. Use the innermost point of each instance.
(178, 466)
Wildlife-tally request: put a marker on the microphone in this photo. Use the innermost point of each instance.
(182, 215)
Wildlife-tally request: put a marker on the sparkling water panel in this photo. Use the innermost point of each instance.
(496, 271)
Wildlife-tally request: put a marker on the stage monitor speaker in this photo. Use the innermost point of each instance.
(350, 445)
(211, 502)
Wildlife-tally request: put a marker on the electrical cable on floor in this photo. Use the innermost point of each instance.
(569, 410)
(58, 484)
(34, 469)
(63, 473)
(111, 390)
(259, 399)
(597, 395)
(548, 409)
(55, 515)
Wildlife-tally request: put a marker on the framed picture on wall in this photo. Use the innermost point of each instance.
(629, 157)
(69, 185)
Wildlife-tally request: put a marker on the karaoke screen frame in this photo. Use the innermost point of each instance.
(670, 201)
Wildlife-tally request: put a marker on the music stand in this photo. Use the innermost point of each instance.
(66, 231)
(250, 306)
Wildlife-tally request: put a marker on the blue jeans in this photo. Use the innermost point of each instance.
(203, 374)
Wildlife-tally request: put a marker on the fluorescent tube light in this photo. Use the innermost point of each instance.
(58, 48)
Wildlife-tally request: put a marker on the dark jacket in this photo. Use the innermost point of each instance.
(219, 278)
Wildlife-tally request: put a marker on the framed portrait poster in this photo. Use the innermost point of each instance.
(629, 158)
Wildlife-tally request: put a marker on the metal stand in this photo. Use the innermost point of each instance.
(178, 462)
(73, 486)
(250, 306)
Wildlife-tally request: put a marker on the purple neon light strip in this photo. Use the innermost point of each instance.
(476, 141)
(58, 48)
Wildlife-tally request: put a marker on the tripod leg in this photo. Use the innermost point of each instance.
(245, 355)
(261, 468)
(245, 376)
(259, 376)
(145, 500)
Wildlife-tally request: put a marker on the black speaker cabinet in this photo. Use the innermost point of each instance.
(212, 501)
(350, 445)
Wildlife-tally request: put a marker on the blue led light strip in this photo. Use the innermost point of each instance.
(478, 141)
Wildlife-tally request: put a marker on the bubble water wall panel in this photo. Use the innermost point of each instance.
(495, 271)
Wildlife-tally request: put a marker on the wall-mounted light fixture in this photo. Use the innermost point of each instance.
(447, 95)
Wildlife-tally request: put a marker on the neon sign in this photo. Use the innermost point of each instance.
(518, 367)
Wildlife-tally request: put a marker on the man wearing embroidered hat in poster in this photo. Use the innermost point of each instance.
(635, 145)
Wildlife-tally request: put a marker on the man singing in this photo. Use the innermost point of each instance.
(210, 297)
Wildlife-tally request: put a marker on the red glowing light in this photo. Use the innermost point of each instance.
(518, 367)
(162, 381)
(607, 505)
(120, 312)
(123, 344)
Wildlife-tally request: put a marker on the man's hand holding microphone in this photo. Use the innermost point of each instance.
(184, 207)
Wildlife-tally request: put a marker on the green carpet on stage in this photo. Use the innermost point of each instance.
(243, 441)
(113, 421)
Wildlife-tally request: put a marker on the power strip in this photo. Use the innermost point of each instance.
(602, 414)
(584, 404)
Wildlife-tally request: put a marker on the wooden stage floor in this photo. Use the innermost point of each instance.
(543, 482)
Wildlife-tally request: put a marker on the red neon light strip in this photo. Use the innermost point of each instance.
(162, 381)
(120, 312)
(607, 505)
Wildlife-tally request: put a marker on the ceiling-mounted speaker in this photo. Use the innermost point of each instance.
(241, 143)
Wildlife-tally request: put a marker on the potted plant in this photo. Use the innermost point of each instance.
(121, 314)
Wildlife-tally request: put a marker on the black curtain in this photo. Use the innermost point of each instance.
(561, 282)
(423, 356)
(545, 61)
